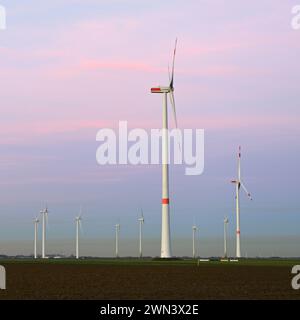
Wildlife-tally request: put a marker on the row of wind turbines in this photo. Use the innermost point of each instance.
(78, 223)
(44, 214)
(166, 251)
(141, 221)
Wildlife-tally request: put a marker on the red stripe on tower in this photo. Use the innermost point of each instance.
(165, 201)
(238, 232)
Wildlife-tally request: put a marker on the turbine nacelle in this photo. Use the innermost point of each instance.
(161, 89)
(141, 218)
(240, 184)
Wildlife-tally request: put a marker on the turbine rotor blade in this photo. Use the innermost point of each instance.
(169, 74)
(172, 100)
(80, 226)
(47, 220)
(246, 191)
(173, 65)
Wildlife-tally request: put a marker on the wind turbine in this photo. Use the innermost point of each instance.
(225, 236)
(44, 214)
(117, 226)
(78, 226)
(165, 231)
(238, 184)
(194, 229)
(36, 222)
(141, 222)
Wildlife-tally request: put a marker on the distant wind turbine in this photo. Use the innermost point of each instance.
(238, 184)
(78, 227)
(44, 214)
(194, 229)
(165, 233)
(225, 236)
(36, 222)
(141, 222)
(117, 226)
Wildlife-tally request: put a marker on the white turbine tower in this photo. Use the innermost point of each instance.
(44, 214)
(117, 226)
(238, 184)
(165, 231)
(78, 227)
(141, 222)
(225, 236)
(194, 229)
(36, 222)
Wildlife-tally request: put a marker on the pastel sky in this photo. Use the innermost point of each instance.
(71, 67)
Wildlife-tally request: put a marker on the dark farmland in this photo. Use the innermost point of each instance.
(133, 279)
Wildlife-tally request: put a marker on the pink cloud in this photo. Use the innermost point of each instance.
(240, 122)
(120, 65)
(25, 131)
(68, 74)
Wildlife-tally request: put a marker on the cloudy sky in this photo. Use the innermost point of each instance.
(71, 67)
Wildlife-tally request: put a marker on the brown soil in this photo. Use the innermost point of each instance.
(34, 281)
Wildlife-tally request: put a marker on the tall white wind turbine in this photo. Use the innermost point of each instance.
(141, 222)
(36, 222)
(165, 231)
(225, 236)
(238, 184)
(78, 228)
(117, 226)
(44, 214)
(194, 230)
